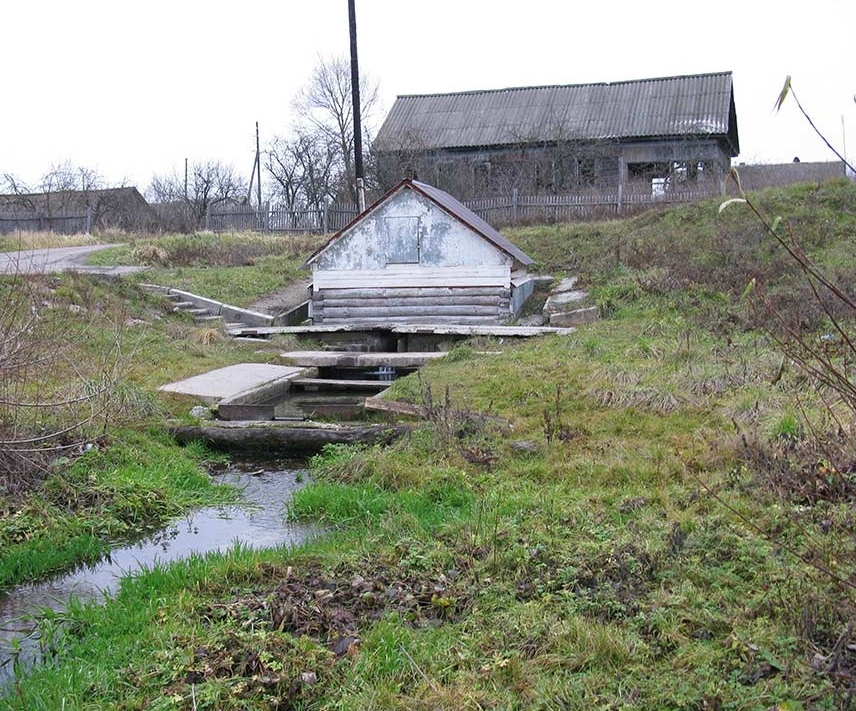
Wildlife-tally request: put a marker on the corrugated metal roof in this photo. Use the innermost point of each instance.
(449, 204)
(700, 104)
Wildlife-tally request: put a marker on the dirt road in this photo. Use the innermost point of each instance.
(59, 259)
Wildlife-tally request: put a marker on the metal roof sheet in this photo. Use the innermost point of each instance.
(700, 104)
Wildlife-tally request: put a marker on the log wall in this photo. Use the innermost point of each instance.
(462, 305)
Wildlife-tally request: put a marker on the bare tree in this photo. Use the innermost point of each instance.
(303, 169)
(324, 107)
(188, 201)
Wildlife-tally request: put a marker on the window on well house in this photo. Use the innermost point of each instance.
(402, 240)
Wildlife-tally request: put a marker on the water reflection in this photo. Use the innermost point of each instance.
(258, 522)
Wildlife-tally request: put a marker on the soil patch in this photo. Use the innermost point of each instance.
(280, 643)
(285, 299)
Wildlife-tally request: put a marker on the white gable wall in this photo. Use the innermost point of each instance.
(374, 243)
(409, 260)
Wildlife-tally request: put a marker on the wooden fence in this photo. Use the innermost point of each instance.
(514, 209)
(532, 209)
(329, 218)
(61, 224)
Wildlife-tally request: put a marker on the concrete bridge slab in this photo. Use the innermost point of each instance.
(228, 382)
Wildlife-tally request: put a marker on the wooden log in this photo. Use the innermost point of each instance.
(396, 292)
(395, 407)
(331, 384)
(422, 310)
(416, 301)
(281, 437)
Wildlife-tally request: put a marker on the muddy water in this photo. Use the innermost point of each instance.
(258, 522)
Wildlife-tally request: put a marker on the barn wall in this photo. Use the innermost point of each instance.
(550, 169)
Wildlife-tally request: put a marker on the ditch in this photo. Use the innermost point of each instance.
(259, 521)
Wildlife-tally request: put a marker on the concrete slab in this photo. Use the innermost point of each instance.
(404, 329)
(349, 359)
(567, 284)
(230, 381)
(565, 301)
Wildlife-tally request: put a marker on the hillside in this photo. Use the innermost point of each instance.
(655, 512)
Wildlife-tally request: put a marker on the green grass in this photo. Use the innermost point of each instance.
(633, 516)
(139, 481)
(234, 269)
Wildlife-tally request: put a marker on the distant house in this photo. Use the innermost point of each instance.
(70, 211)
(644, 135)
(417, 256)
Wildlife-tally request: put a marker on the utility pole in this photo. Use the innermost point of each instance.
(258, 168)
(355, 97)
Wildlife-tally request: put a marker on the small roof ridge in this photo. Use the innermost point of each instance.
(565, 86)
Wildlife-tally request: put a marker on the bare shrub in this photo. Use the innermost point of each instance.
(803, 469)
(60, 365)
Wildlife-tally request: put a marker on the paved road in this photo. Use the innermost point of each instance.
(59, 259)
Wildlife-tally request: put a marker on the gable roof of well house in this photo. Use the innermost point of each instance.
(452, 206)
(699, 105)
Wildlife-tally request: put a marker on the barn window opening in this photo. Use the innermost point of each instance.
(402, 240)
(586, 171)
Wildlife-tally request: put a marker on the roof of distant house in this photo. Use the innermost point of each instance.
(669, 107)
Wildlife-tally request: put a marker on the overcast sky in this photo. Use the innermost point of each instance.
(132, 89)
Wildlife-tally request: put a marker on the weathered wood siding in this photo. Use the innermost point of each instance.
(409, 261)
(463, 305)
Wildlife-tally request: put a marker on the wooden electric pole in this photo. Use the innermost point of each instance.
(258, 167)
(355, 97)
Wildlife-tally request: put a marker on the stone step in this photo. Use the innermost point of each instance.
(574, 317)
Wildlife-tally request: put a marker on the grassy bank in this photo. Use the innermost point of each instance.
(117, 490)
(234, 269)
(634, 516)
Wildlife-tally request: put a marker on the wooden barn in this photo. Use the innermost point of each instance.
(631, 136)
(417, 256)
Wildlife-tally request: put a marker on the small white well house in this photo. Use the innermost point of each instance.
(418, 255)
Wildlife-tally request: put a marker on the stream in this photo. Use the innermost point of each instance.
(258, 522)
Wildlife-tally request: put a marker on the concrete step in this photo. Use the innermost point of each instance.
(574, 317)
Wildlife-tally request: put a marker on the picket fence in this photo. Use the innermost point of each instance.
(503, 211)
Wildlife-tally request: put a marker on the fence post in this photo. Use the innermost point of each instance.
(88, 219)
(514, 206)
(207, 217)
(325, 219)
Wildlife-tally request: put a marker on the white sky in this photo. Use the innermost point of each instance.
(132, 89)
